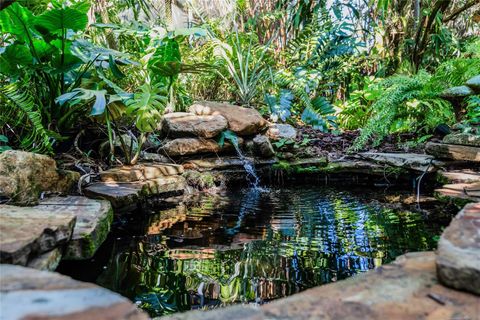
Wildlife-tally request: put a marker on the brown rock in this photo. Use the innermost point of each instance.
(413, 161)
(242, 121)
(181, 124)
(32, 294)
(262, 146)
(465, 139)
(27, 232)
(190, 146)
(459, 193)
(140, 172)
(24, 175)
(94, 218)
(453, 152)
(458, 254)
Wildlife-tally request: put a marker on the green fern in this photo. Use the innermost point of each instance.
(20, 114)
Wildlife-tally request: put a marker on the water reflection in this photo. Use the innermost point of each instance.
(256, 246)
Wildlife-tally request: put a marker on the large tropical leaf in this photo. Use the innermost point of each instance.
(147, 107)
(56, 21)
(167, 60)
(16, 20)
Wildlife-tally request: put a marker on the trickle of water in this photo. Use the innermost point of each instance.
(249, 167)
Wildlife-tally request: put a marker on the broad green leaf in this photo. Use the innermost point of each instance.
(16, 20)
(14, 57)
(56, 21)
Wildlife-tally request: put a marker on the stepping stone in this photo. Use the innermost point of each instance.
(453, 152)
(458, 254)
(94, 218)
(26, 233)
(32, 294)
(413, 161)
(223, 163)
(458, 176)
(126, 195)
(459, 194)
(140, 172)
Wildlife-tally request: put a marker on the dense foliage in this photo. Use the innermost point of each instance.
(114, 67)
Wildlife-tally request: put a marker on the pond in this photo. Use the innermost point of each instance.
(250, 245)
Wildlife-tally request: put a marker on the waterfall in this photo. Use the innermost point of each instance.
(249, 167)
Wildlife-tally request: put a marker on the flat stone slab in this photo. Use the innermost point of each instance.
(405, 289)
(458, 176)
(413, 161)
(458, 254)
(459, 193)
(223, 163)
(32, 294)
(140, 172)
(128, 194)
(453, 152)
(29, 232)
(94, 218)
(465, 139)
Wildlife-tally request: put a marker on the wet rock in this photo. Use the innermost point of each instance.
(28, 232)
(474, 83)
(405, 289)
(223, 163)
(200, 180)
(413, 161)
(126, 196)
(190, 146)
(182, 124)
(262, 146)
(281, 131)
(465, 139)
(453, 152)
(242, 121)
(140, 172)
(32, 294)
(94, 218)
(24, 175)
(459, 194)
(456, 93)
(458, 253)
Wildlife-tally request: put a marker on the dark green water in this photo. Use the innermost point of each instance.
(250, 246)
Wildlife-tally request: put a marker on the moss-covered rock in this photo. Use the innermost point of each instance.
(24, 175)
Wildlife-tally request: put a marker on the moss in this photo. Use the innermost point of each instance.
(200, 180)
(457, 202)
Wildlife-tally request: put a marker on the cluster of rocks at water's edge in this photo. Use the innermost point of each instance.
(38, 233)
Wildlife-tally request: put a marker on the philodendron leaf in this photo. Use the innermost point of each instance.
(56, 21)
(99, 96)
(16, 20)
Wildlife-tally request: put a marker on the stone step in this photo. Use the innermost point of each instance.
(458, 176)
(140, 172)
(26, 233)
(413, 161)
(125, 196)
(32, 294)
(465, 139)
(453, 152)
(459, 193)
(458, 254)
(94, 218)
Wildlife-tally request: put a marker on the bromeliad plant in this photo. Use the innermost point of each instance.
(42, 58)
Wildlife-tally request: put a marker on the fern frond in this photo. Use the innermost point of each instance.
(19, 112)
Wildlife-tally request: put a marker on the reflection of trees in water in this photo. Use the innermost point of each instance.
(306, 240)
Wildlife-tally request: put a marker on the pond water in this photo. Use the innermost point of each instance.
(254, 246)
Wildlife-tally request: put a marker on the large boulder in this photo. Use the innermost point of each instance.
(182, 124)
(474, 83)
(24, 175)
(191, 146)
(280, 131)
(242, 121)
(458, 254)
